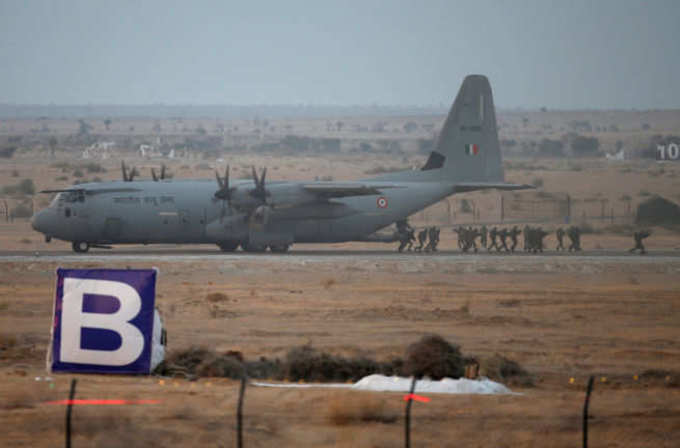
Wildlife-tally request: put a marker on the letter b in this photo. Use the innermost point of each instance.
(73, 319)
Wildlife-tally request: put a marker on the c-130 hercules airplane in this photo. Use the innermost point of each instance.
(257, 215)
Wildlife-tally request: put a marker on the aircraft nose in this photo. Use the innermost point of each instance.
(38, 221)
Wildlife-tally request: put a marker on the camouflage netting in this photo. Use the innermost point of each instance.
(658, 211)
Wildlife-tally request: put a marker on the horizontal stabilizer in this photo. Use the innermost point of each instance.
(462, 187)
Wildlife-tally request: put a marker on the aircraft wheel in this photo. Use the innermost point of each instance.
(228, 246)
(279, 248)
(253, 247)
(80, 246)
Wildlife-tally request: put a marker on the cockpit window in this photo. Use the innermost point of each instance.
(67, 197)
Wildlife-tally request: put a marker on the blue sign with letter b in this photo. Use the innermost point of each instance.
(103, 320)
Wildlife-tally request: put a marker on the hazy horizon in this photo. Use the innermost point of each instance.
(568, 56)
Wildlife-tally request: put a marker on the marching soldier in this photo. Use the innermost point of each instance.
(422, 237)
(513, 237)
(527, 233)
(503, 235)
(482, 236)
(559, 233)
(492, 236)
(574, 234)
(639, 236)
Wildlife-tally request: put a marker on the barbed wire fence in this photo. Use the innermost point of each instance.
(409, 398)
(533, 207)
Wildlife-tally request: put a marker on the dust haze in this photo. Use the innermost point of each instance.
(587, 103)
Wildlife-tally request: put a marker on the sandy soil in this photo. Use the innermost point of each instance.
(559, 317)
(610, 315)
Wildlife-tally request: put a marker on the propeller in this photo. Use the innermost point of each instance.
(259, 192)
(260, 216)
(128, 176)
(162, 175)
(225, 191)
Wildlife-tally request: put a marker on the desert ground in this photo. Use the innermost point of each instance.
(562, 317)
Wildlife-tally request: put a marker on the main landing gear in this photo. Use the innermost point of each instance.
(80, 246)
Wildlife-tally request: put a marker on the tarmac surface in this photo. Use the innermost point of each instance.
(341, 255)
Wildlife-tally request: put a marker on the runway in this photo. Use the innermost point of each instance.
(591, 262)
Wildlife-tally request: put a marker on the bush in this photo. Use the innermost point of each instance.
(551, 148)
(7, 152)
(500, 368)
(585, 146)
(93, 167)
(346, 408)
(26, 186)
(658, 211)
(22, 211)
(78, 173)
(434, 357)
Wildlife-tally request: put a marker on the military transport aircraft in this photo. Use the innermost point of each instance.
(257, 215)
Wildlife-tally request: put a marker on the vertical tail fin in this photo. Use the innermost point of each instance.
(467, 149)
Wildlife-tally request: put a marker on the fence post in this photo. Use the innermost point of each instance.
(585, 411)
(69, 406)
(407, 421)
(239, 410)
(568, 209)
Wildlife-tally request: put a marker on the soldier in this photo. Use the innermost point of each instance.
(482, 235)
(459, 232)
(503, 235)
(473, 234)
(574, 234)
(411, 238)
(559, 233)
(403, 230)
(436, 239)
(422, 237)
(492, 236)
(527, 232)
(513, 237)
(432, 244)
(539, 234)
(639, 236)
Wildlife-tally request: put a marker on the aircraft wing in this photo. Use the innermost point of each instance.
(472, 186)
(92, 190)
(329, 190)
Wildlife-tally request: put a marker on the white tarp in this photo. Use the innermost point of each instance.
(382, 383)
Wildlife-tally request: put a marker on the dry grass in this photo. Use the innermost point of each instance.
(216, 297)
(348, 408)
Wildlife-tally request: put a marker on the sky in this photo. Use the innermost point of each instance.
(597, 54)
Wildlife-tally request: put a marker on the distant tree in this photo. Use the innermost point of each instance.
(585, 146)
(26, 186)
(83, 127)
(410, 126)
(550, 148)
(107, 123)
(52, 142)
(646, 127)
(157, 127)
(338, 125)
(7, 152)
